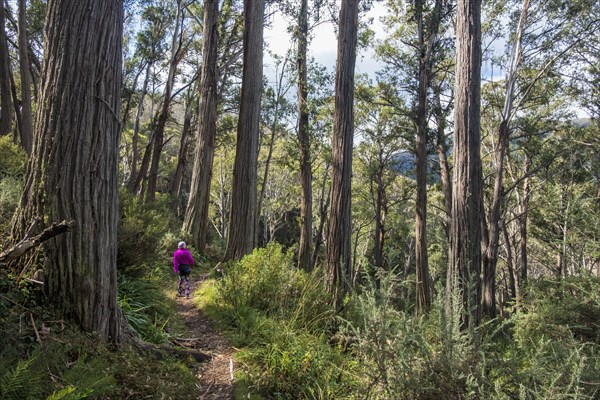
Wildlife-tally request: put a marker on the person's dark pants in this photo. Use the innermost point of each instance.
(184, 276)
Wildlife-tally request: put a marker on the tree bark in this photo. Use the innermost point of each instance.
(464, 267)
(423, 296)
(196, 215)
(26, 127)
(379, 219)
(338, 261)
(243, 200)
(72, 174)
(5, 95)
(306, 217)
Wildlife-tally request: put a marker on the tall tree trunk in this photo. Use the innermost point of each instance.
(465, 233)
(378, 234)
(196, 215)
(183, 152)
(512, 285)
(26, 127)
(132, 184)
(72, 174)
(442, 148)
(243, 200)
(423, 294)
(159, 128)
(306, 217)
(5, 95)
(15, 102)
(338, 261)
(523, 211)
(490, 256)
(323, 206)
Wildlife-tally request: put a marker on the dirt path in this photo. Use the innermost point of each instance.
(215, 375)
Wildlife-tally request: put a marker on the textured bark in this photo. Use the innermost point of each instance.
(243, 200)
(338, 261)
(72, 174)
(464, 267)
(306, 217)
(5, 95)
(163, 116)
(196, 215)
(26, 126)
(423, 296)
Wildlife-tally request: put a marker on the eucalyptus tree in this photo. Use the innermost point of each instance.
(178, 49)
(26, 128)
(381, 128)
(72, 173)
(338, 260)
(412, 55)
(196, 215)
(463, 277)
(275, 109)
(242, 220)
(307, 15)
(306, 219)
(541, 42)
(150, 47)
(6, 112)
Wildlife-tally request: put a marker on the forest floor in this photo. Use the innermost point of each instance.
(215, 376)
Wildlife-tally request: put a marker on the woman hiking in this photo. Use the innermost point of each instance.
(182, 265)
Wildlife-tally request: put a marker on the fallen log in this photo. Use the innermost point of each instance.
(27, 244)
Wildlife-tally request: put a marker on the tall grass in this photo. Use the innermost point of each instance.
(145, 306)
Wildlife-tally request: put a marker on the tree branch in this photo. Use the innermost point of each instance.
(27, 243)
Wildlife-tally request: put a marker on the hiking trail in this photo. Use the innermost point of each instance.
(215, 376)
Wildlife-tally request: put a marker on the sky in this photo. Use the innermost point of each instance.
(323, 47)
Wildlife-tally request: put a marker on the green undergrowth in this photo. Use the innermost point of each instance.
(292, 345)
(279, 319)
(68, 364)
(65, 363)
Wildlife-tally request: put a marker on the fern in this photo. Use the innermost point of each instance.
(69, 393)
(19, 383)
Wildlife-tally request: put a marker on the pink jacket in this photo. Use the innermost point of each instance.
(182, 257)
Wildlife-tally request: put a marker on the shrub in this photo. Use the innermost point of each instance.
(145, 234)
(268, 281)
(297, 365)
